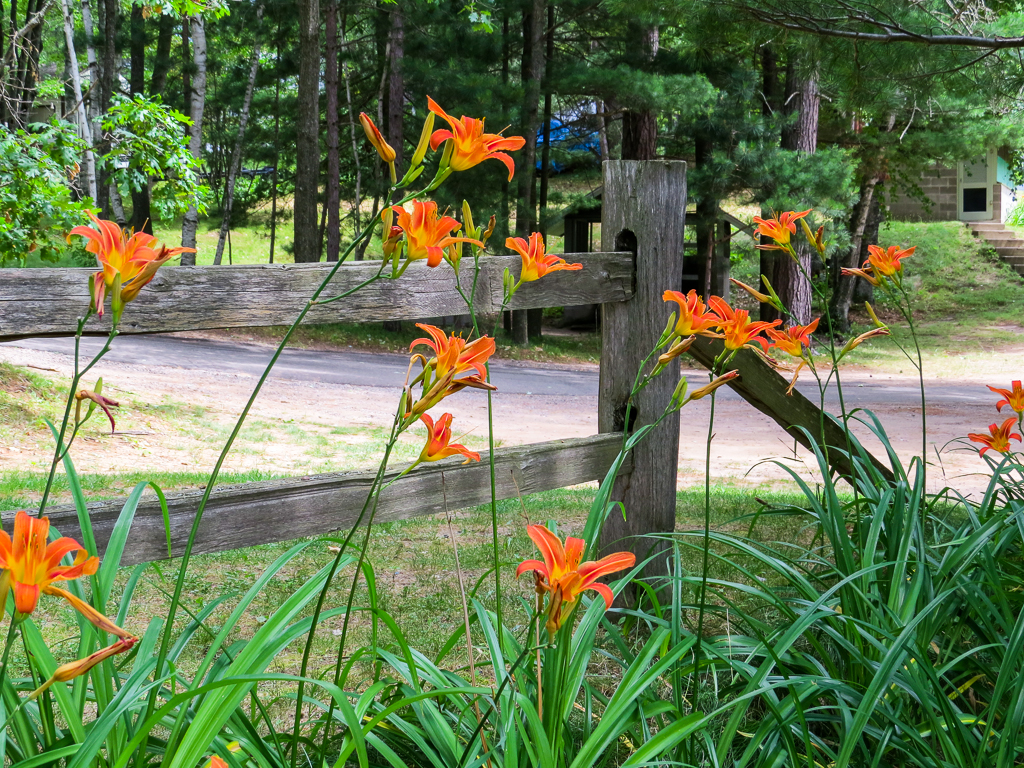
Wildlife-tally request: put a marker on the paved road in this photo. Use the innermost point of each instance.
(388, 370)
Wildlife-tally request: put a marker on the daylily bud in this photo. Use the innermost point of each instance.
(116, 299)
(854, 343)
(424, 142)
(706, 390)
(489, 231)
(95, 399)
(669, 331)
(874, 318)
(374, 136)
(815, 238)
(508, 283)
(677, 349)
(756, 294)
(467, 218)
(74, 669)
(776, 301)
(679, 395)
(453, 255)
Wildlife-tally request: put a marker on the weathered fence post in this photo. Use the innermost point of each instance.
(643, 211)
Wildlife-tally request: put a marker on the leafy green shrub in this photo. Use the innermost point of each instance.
(36, 204)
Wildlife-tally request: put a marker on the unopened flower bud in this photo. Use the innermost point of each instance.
(677, 349)
(756, 294)
(489, 231)
(706, 390)
(424, 142)
(854, 343)
(874, 318)
(374, 136)
(467, 218)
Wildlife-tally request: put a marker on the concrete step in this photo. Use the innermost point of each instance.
(1009, 242)
(981, 226)
(1010, 252)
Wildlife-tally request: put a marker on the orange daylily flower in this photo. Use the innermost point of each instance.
(793, 340)
(439, 445)
(452, 356)
(376, 138)
(694, 318)
(779, 228)
(453, 353)
(74, 669)
(31, 564)
(562, 574)
(1014, 397)
(536, 263)
(470, 145)
(887, 262)
(129, 260)
(998, 439)
(426, 235)
(736, 326)
(217, 762)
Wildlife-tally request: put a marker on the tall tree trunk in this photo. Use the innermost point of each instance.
(277, 142)
(81, 117)
(162, 57)
(640, 127)
(862, 289)
(769, 107)
(532, 76)
(394, 114)
(195, 132)
(535, 317)
(236, 156)
(801, 135)
(705, 219)
(353, 136)
(307, 130)
(332, 201)
(106, 76)
(842, 291)
(142, 218)
(187, 66)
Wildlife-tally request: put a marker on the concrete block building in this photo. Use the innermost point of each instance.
(974, 190)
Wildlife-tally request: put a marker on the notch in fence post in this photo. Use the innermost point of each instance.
(643, 211)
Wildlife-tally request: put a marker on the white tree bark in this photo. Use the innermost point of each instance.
(195, 133)
(236, 157)
(84, 126)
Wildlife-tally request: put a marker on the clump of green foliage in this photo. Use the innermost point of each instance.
(36, 203)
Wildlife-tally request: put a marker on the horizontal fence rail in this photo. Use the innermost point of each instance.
(282, 510)
(48, 302)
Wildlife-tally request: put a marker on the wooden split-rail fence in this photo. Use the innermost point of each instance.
(643, 216)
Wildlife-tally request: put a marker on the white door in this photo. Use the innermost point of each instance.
(974, 188)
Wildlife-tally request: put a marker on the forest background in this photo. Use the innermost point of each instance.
(183, 115)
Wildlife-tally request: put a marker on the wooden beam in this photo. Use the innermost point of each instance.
(282, 510)
(48, 302)
(765, 389)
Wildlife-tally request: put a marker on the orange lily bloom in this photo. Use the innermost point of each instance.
(536, 263)
(31, 564)
(793, 340)
(737, 327)
(779, 228)
(998, 439)
(439, 445)
(73, 669)
(127, 260)
(693, 317)
(376, 138)
(452, 356)
(1014, 397)
(453, 353)
(426, 235)
(887, 263)
(470, 145)
(217, 762)
(562, 574)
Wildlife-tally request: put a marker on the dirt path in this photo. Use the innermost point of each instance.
(175, 420)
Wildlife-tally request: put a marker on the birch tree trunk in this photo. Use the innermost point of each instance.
(195, 132)
(84, 128)
(236, 157)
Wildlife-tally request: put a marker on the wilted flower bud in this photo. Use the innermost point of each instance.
(706, 390)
